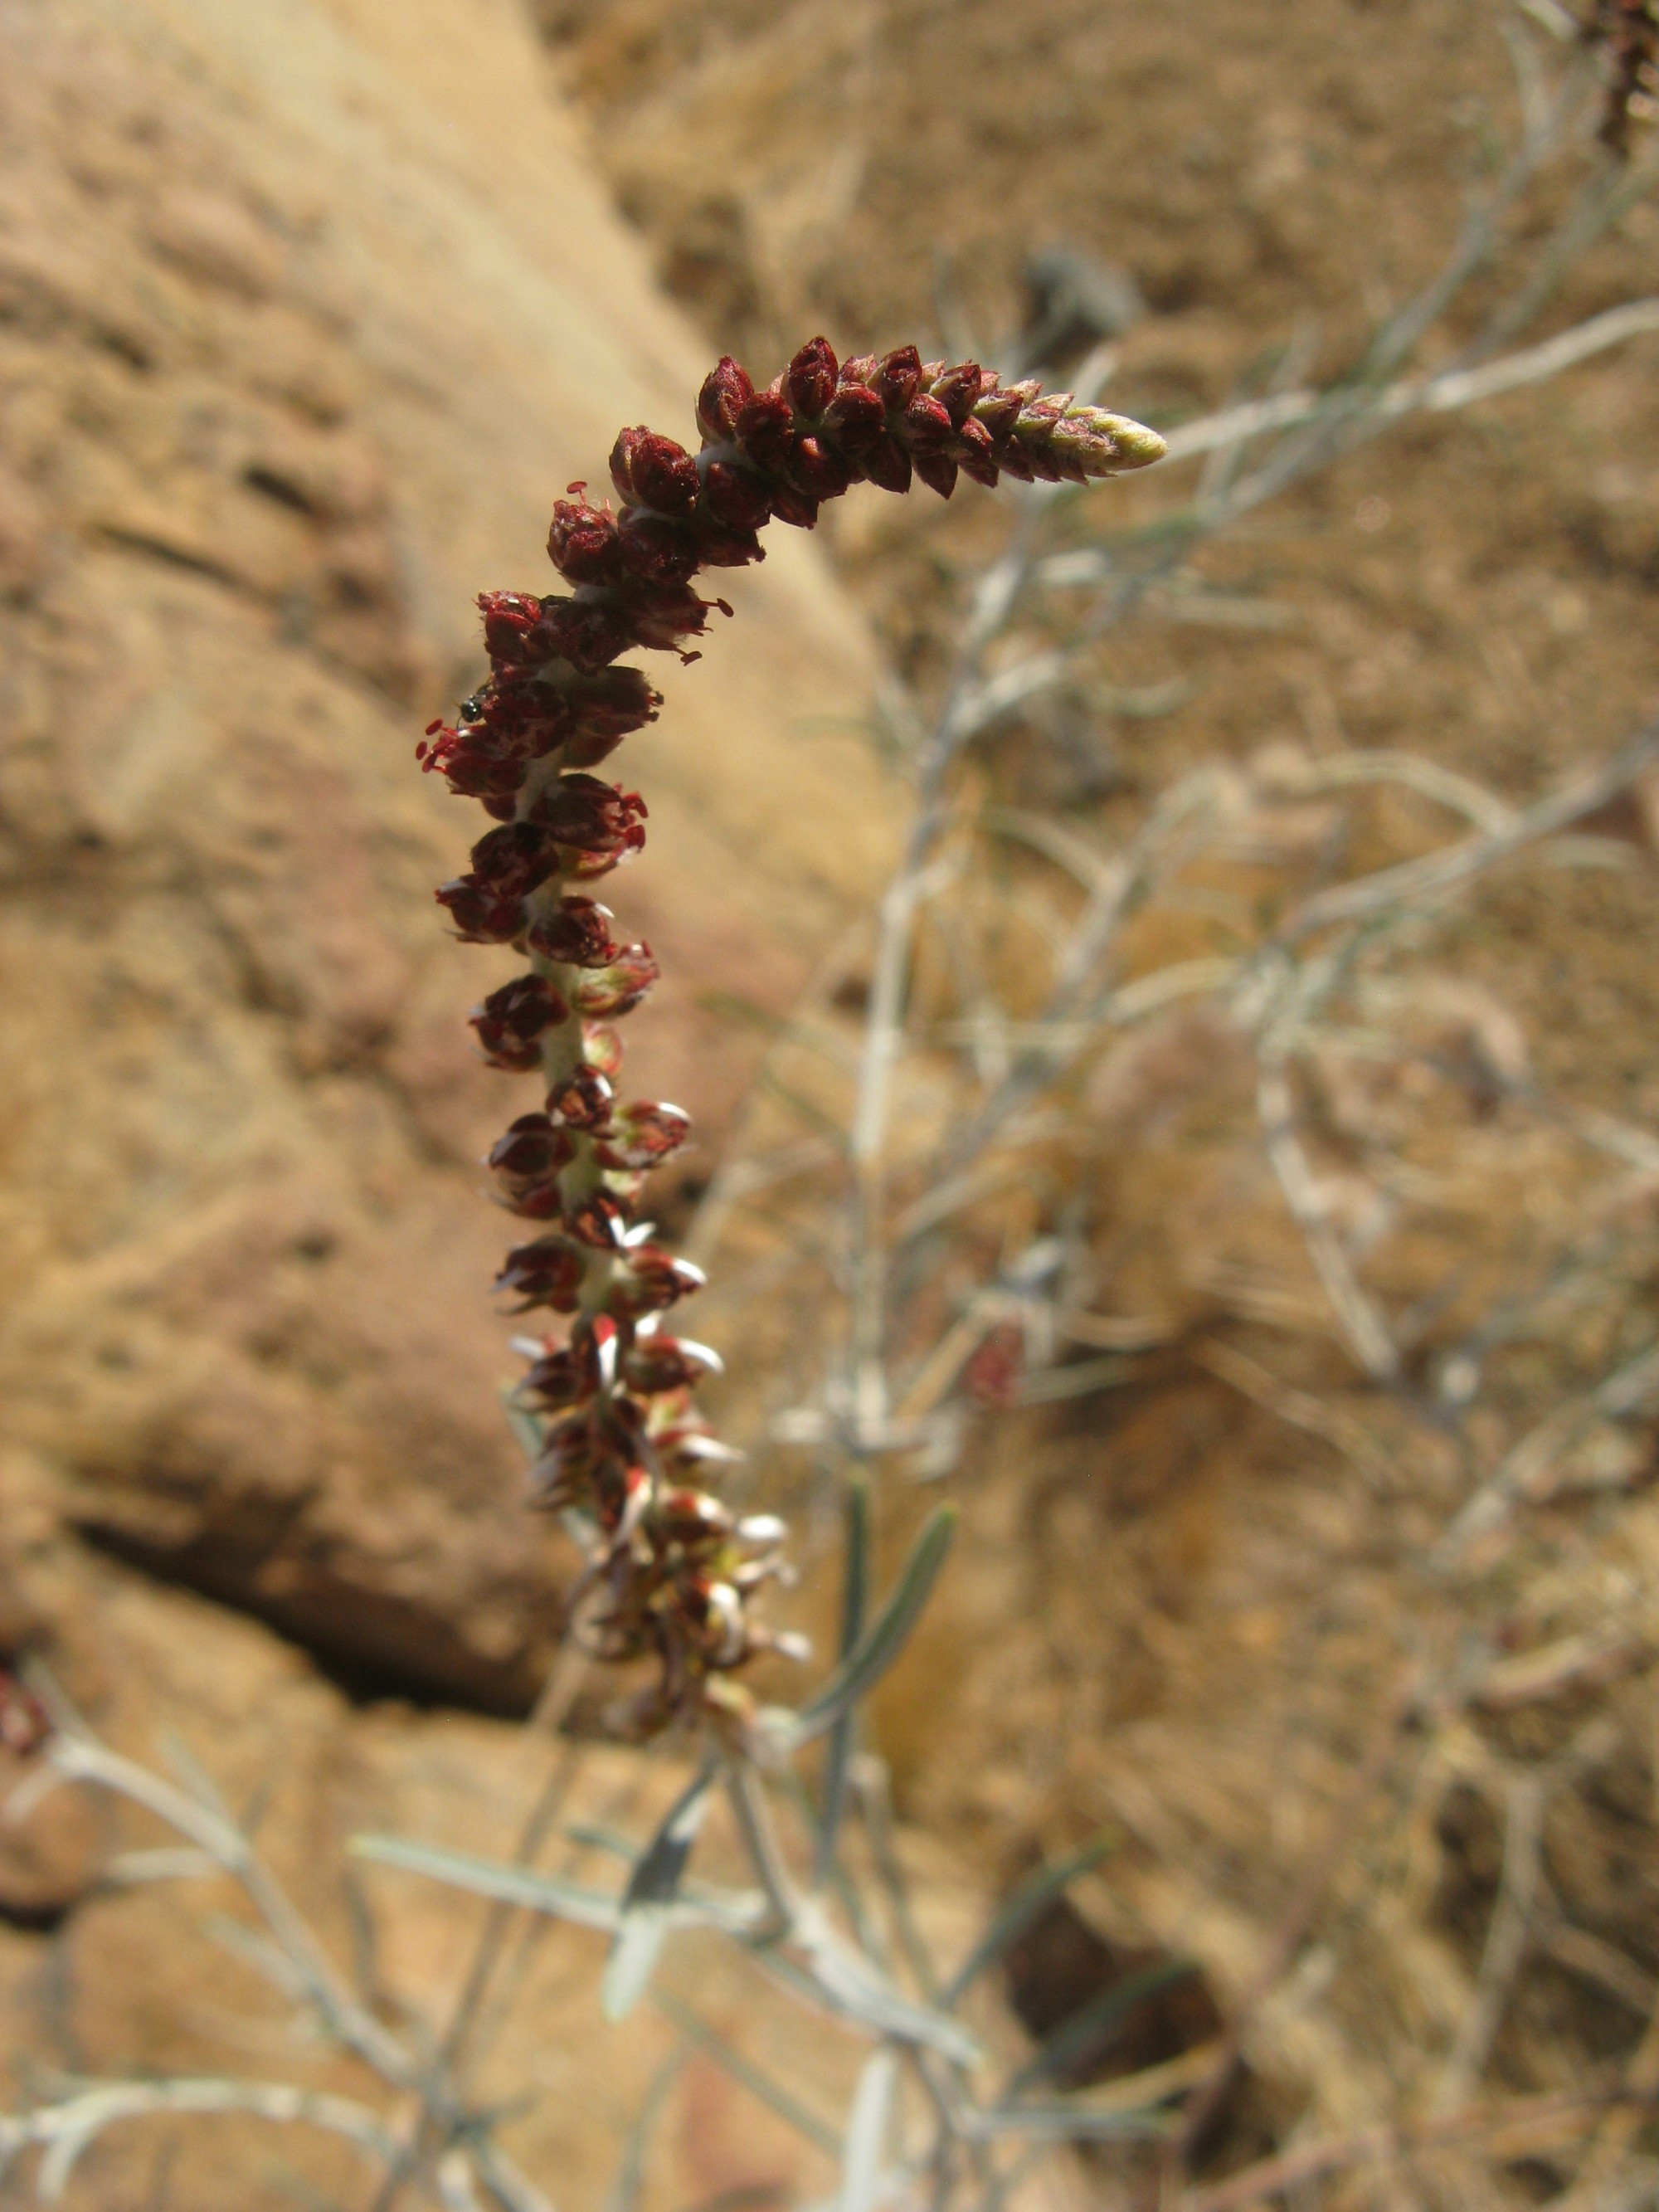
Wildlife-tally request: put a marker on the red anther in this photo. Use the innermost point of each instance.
(938, 472)
(595, 817)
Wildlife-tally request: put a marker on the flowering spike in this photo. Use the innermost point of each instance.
(672, 1576)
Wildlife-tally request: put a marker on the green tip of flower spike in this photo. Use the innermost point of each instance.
(1106, 444)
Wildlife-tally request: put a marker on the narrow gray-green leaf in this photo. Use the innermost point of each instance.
(656, 1878)
(855, 1600)
(851, 1986)
(542, 1893)
(867, 2131)
(886, 1636)
(735, 1912)
(1021, 1910)
(652, 1890)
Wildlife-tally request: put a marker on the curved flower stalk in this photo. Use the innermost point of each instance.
(623, 1453)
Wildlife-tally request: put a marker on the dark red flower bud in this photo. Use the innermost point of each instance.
(618, 987)
(793, 507)
(562, 1377)
(857, 417)
(816, 468)
(583, 1101)
(610, 703)
(998, 410)
(650, 1280)
(473, 771)
(727, 390)
(598, 1220)
(720, 547)
(656, 551)
(584, 632)
(973, 452)
(660, 616)
(512, 1021)
(927, 424)
(547, 1272)
(653, 1364)
(694, 1519)
(525, 1161)
(958, 389)
(646, 467)
(576, 934)
(567, 1469)
(597, 819)
(479, 912)
(523, 717)
(512, 860)
(858, 369)
(896, 376)
(582, 541)
(888, 464)
(765, 428)
(735, 495)
(510, 621)
(938, 472)
(809, 382)
(644, 1134)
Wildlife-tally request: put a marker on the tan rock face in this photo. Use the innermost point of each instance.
(306, 315)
